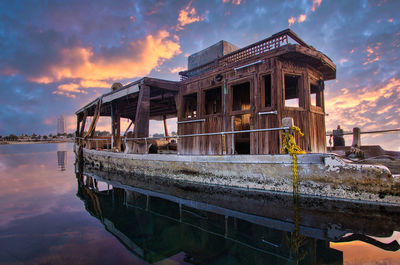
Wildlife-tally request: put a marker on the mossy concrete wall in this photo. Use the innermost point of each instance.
(319, 174)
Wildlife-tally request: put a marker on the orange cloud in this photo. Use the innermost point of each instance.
(234, 2)
(136, 59)
(94, 83)
(316, 4)
(302, 18)
(62, 93)
(71, 87)
(40, 80)
(373, 53)
(177, 69)
(291, 21)
(350, 100)
(188, 15)
(363, 108)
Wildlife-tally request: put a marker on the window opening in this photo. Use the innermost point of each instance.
(315, 95)
(212, 102)
(241, 96)
(267, 91)
(292, 91)
(190, 106)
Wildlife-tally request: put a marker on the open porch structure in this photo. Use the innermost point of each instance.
(140, 101)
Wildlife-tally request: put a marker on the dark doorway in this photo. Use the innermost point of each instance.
(242, 140)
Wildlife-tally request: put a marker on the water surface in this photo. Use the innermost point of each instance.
(51, 215)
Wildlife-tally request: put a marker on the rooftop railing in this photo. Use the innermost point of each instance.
(263, 46)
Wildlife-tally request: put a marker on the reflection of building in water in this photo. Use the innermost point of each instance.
(62, 159)
(161, 230)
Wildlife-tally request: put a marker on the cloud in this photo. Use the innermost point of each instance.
(177, 69)
(68, 90)
(291, 21)
(369, 107)
(8, 71)
(234, 2)
(188, 15)
(316, 4)
(94, 83)
(373, 54)
(63, 93)
(92, 68)
(71, 87)
(303, 17)
(136, 59)
(49, 121)
(155, 9)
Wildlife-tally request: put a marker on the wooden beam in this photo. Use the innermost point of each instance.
(78, 121)
(163, 97)
(165, 125)
(163, 84)
(141, 128)
(85, 113)
(115, 126)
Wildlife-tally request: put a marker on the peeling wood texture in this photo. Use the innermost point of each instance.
(250, 88)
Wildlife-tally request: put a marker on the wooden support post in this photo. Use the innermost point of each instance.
(83, 123)
(115, 127)
(223, 139)
(233, 135)
(78, 121)
(141, 128)
(165, 125)
(356, 137)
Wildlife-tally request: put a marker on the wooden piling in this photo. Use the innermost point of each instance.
(356, 137)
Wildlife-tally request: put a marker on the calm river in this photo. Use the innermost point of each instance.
(52, 213)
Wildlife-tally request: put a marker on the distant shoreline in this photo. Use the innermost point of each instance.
(37, 142)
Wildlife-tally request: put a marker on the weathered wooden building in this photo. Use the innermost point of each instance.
(224, 90)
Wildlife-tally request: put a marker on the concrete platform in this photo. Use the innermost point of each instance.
(323, 175)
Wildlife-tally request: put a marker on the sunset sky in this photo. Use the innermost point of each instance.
(56, 56)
